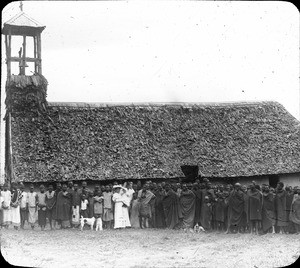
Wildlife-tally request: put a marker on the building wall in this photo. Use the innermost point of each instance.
(290, 179)
(242, 180)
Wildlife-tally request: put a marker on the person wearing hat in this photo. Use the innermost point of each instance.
(118, 199)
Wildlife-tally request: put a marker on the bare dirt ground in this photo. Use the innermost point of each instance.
(146, 248)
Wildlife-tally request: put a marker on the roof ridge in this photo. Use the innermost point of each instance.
(159, 104)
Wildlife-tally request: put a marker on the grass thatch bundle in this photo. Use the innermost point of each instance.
(26, 93)
(109, 142)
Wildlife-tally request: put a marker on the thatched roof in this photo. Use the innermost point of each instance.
(100, 141)
(25, 91)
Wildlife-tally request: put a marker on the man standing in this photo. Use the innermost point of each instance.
(107, 207)
(268, 210)
(15, 206)
(236, 207)
(187, 203)
(171, 207)
(255, 207)
(63, 206)
(295, 211)
(144, 197)
(23, 206)
(41, 203)
(50, 204)
(197, 191)
(280, 207)
(54, 216)
(160, 193)
(76, 206)
(32, 206)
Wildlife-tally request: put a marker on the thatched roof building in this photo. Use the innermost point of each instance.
(101, 141)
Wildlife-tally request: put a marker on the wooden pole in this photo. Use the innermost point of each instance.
(24, 55)
(8, 150)
(39, 52)
(8, 53)
(34, 54)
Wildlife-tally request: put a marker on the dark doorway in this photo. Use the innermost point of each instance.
(190, 172)
(273, 180)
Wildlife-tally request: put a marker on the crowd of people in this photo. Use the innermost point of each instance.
(228, 208)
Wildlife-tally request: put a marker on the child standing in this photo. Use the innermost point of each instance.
(84, 206)
(98, 204)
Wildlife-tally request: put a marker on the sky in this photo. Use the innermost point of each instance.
(166, 51)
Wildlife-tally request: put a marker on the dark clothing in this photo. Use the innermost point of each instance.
(63, 206)
(23, 214)
(268, 211)
(198, 195)
(172, 209)
(160, 221)
(255, 205)
(42, 217)
(206, 216)
(236, 208)
(85, 213)
(187, 204)
(295, 211)
(220, 210)
(90, 207)
(280, 208)
(76, 198)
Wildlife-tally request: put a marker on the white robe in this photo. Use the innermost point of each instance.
(6, 196)
(126, 198)
(119, 219)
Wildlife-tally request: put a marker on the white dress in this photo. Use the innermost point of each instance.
(15, 210)
(119, 215)
(6, 197)
(126, 198)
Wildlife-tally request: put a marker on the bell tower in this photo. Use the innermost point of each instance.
(25, 92)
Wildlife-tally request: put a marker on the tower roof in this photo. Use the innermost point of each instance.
(22, 24)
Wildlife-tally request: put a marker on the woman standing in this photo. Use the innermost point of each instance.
(118, 199)
(6, 199)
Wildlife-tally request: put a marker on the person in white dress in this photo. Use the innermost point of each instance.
(126, 199)
(6, 197)
(121, 218)
(119, 221)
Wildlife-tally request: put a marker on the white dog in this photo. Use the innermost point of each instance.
(99, 224)
(88, 221)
